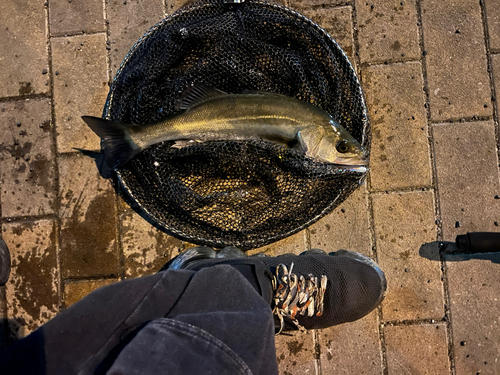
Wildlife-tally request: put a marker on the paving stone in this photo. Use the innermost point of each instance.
(174, 5)
(493, 20)
(24, 52)
(346, 227)
(128, 21)
(145, 248)
(351, 348)
(399, 151)
(74, 291)
(388, 30)
(88, 220)
(188, 245)
(338, 23)
(467, 177)
(419, 349)
(32, 290)
(27, 166)
(80, 88)
(295, 353)
(456, 59)
(474, 303)
(403, 222)
(264, 250)
(73, 16)
(296, 244)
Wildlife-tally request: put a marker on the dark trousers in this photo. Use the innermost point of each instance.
(212, 321)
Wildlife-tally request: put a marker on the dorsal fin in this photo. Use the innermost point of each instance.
(196, 94)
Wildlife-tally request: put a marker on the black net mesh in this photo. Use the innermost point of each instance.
(240, 193)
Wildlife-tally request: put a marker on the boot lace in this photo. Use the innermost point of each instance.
(296, 295)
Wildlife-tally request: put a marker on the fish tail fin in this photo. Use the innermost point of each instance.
(119, 147)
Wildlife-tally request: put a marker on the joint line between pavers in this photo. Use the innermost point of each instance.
(28, 219)
(494, 99)
(381, 336)
(164, 6)
(57, 202)
(7, 99)
(461, 120)
(118, 232)
(108, 42)
(411, 189)
(389, 62)
(437, 203)
(119, 236)
(412, 322)
(321, 6)
(368, 199)
(78, 33)
(67, 280)
(307, 235)
(355, 42)
(316, 352)
(383, 348)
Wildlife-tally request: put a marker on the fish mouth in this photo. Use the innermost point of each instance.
(353, 164)
(352, 161)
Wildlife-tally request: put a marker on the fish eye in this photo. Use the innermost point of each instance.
(342, 147)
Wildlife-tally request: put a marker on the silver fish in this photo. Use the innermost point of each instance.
(210, 114)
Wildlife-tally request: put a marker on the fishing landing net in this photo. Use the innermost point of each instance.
(239, 193)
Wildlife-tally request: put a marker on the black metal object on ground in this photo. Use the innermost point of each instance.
(240, 193)
(478, 242)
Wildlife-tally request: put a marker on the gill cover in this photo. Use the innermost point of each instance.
(309, 139)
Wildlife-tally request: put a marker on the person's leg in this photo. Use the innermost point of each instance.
(91, 334)
(220, 323)
(81, 336)
(198, 296)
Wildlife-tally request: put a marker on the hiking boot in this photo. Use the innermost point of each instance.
(312, 290)
(4, 262)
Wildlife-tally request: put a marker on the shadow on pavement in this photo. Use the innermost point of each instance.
(9, 331)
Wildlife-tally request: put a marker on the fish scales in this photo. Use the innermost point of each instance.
(237, 116)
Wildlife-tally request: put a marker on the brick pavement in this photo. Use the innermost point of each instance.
(431, 74)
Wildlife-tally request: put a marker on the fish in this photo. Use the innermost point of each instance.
(208, 114)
